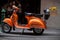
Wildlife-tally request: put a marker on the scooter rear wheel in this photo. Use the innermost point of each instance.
(6, 28)
(38, 31)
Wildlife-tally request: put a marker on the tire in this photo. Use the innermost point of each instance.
(6, 28)
(38, 31)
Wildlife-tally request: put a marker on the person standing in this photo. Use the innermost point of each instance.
(9, 10)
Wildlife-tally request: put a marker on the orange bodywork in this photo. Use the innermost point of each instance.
(33, 22)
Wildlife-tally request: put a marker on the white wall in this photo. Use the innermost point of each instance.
(53, 21)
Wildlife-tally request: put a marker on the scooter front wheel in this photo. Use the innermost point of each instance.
(6, 28)
(38, 31)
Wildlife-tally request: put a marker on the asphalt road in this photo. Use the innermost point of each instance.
(49, 34)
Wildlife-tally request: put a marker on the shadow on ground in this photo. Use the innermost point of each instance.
(26, 34)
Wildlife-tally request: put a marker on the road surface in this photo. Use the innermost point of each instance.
(49, 34)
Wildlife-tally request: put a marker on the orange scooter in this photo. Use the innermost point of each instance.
(33, 23)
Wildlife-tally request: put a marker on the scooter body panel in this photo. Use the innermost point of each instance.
(8, 21)
(33, 22)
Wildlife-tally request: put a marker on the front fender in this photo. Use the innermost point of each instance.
(37, 23)
(8, 21)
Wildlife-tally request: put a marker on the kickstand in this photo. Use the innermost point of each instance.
(22, 31)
